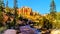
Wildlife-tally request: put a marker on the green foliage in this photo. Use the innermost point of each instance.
(1, 17)
(57, 22)
(3, 28)
(1, 5)
(46, 23)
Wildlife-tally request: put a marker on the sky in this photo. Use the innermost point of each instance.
(41, 6)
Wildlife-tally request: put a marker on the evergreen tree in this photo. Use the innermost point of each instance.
(53, 9)
(7, 3)
(1, 5)
(15, 9)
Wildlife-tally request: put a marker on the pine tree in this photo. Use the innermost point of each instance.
(53, 9)
(7, 3)
(1, 5)
(15, 9)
